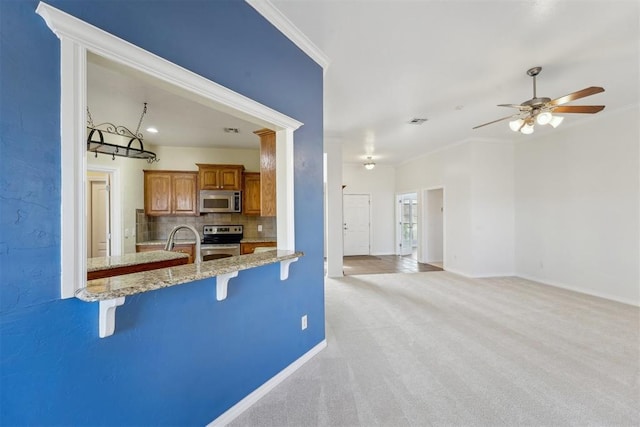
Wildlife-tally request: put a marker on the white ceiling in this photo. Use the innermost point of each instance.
(453, 61)
(116, 94)
(450, 61)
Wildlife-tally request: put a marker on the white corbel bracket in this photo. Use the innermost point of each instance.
(107, 320)
(222, 282)
(284, 268)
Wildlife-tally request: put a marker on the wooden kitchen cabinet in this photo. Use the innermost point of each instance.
(248, 248)
(220, 177)
(170, 193)
(185, 248)
(267, 172)
(251, 193)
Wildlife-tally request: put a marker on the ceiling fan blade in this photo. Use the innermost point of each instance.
(521, 107)
(499, 120)
(576, 95)
(589, 109)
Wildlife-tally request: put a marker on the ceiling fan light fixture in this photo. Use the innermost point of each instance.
(516, 124)
(527, 129)
(556, 120)
(369, 164)
(544, 118)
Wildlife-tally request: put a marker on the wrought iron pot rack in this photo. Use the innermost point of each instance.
(99, 145)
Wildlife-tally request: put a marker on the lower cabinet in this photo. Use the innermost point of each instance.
(187, 248)
(248, 248)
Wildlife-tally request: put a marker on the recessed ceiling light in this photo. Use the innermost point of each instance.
(417, 121)
(152, 130)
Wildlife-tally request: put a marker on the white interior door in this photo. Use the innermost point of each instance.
(356, 220)
(98, 209)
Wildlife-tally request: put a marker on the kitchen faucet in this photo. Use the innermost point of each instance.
(170, 243)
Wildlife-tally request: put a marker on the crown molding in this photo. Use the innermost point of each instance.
(293, 33)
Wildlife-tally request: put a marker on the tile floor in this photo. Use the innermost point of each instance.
(380, 264)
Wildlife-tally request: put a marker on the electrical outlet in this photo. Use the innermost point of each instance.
(259, 228)
(303, 322)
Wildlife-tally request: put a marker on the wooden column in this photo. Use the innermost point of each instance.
(267, 171)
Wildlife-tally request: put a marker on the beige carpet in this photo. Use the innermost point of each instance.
(437, 349)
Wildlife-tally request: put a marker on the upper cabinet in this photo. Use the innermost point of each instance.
(267, 172)
(251, 194)
(170, 193)
(220, 177)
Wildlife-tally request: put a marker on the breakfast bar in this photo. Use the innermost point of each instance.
(111, 291)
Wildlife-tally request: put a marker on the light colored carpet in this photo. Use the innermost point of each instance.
(438, 349)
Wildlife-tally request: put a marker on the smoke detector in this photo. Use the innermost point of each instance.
(417, 121)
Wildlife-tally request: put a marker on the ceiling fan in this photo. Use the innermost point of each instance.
(539, 110)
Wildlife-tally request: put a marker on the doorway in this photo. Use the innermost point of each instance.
(98, 214)
(356, 218)
(434, 227)
(407, 232)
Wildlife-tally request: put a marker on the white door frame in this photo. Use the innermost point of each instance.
(422, 218)
(76, 38)
(398, 221)
(115, 205)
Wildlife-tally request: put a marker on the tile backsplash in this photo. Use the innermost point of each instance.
(158, 227)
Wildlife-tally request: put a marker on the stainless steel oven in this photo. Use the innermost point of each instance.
(220, 241)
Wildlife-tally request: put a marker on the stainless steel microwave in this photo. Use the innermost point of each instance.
(216, 201)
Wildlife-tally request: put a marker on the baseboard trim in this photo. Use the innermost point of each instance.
(237, 409)
(489, 276)
(458, 272)
(580, 290)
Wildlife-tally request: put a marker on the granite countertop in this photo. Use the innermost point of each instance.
(113, 262)
(135, 283)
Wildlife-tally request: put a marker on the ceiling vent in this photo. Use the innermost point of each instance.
(417, 121)
(232, 130)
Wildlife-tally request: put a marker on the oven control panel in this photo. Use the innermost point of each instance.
(222, 229)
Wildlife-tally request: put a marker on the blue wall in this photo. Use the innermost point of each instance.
(178, 356)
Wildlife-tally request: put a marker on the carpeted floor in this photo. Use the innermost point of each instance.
(438, 349)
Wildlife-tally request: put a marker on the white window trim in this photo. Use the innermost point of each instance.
(76, 38)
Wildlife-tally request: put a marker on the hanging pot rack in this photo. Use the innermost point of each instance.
(96, 143)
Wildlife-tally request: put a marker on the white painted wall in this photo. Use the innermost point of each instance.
(477, 177)
(185, 158)
(577, 206)
(492, 214)
(333, 207)
(434, 225)
(380, 184)
(449, 169)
